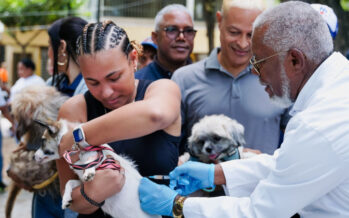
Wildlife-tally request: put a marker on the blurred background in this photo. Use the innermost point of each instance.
(24, 23)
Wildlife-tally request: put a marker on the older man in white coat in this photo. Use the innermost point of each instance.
(308, 175)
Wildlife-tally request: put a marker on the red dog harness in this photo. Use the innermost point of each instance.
(108, 163)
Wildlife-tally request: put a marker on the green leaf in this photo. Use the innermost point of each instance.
(345, 5)
(18, 13)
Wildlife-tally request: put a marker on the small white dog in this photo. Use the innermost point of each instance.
(216, 138)
(123, 204)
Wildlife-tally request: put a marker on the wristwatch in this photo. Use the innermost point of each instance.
(79, 136)
(177, 209)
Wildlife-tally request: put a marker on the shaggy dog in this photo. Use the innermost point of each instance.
(216, 138)
(34, 102)
(123, 204)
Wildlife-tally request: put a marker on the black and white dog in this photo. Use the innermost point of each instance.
(123, 204)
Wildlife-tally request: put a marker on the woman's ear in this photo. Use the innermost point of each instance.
(62, 47)
(134, 57)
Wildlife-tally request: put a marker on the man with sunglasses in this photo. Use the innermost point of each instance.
(308, 175)
(223, 83)
(174, 36)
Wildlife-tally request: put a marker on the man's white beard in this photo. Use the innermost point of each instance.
(284, 101)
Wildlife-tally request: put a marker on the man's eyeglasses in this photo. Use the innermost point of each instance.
(256, 64)
(173, 32)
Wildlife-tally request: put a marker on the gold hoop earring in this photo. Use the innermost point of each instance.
(64, 62)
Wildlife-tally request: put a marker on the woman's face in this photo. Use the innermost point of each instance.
(109, 75)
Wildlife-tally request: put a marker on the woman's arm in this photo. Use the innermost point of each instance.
(74, 110)
(160, 109)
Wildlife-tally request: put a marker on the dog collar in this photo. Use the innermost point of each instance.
(46, 182)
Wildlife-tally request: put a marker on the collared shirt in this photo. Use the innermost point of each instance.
(155, 71)
(207, 88)
(309, 173)
(73, 88)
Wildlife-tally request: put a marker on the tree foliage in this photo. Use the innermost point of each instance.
(19, 13)
(27, 13)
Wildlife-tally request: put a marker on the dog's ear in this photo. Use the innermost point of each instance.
(236, 132)
(51, 129)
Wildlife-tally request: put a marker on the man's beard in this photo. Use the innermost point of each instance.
(283, 101)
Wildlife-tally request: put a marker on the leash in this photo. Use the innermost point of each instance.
(108, 163)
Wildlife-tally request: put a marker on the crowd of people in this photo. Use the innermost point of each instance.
(275, 72)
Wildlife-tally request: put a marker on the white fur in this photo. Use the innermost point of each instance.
(123, 204)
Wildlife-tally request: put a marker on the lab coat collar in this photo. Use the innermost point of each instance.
(323, 75)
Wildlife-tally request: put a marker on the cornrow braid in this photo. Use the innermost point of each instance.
(84, 38)
(101, 36)
(89, 39)
(106, 22)
(137, 47)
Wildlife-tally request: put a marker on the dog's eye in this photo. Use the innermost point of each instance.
(48, 152)
(200, 142)
(216, 138)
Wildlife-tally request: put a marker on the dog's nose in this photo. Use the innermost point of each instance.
(208, 150)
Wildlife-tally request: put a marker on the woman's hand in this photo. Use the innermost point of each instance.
(105, 184)
(67, 140)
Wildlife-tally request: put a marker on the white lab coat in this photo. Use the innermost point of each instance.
(309, 174)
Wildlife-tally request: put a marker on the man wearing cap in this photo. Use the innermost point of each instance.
(174, 36)
(149, 52)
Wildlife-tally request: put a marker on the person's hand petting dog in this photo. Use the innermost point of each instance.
(192, 176)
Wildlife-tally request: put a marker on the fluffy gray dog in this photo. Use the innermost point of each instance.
(216, 138)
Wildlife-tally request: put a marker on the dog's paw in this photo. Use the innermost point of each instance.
(66, 204)
(66, 201)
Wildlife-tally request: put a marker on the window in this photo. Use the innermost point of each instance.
(44, 61)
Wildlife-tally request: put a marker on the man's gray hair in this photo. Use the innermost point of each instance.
(167, 9)
(296, 24)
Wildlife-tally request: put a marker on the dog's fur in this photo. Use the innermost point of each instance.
(34, 102)
(214, 138)
(123, 204)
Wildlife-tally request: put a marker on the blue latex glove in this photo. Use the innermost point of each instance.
(192, 176)
(156, 199)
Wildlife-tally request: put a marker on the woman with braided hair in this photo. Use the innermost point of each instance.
(137, 118)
